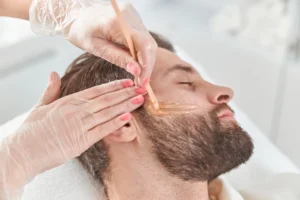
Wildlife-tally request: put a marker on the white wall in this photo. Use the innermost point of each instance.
(28, 65)
(288, 129)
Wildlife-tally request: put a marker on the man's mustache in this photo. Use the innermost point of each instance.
(220, 108)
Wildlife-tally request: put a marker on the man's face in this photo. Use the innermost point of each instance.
(200, 145)
(176, 80)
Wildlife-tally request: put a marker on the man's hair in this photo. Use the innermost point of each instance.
(88, 71)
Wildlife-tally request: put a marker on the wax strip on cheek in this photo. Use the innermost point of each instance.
(170, 108)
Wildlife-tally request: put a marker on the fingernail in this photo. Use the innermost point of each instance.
(125, 117)
(140, 90)
(138, 100)
(127, 83)
(131, 68)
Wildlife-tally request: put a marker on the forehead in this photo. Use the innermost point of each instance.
(165, 60)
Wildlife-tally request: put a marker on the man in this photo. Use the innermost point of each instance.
(160, 157)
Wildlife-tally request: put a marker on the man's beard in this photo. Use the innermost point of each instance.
(194, 147)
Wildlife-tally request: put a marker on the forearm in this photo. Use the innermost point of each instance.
(15, 8)
(12, 180)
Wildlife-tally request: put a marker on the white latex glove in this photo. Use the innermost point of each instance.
(58, 131)
(92, 26)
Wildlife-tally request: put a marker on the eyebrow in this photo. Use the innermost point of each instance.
(179, 67)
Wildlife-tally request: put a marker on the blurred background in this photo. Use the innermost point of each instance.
(250, 45)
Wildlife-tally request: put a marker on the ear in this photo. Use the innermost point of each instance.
(125, 134)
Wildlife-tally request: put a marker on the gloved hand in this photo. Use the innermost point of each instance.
(92, 26)
(58, 131)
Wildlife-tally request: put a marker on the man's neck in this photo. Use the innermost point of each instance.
(143, 179)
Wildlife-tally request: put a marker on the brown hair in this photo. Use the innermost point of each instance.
(87, 71)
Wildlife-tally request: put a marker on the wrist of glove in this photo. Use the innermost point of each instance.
(22, 157)
(13, 173)
(53, 17)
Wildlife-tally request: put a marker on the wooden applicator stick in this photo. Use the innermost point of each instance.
(132, 50)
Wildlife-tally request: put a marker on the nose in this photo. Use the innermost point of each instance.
(219, 94)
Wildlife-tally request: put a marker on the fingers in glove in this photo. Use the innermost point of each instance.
(52, 91)
(114, 98)
(110, 113)
(99, 90)
(101, 131)
(116, 55)
(146, 49)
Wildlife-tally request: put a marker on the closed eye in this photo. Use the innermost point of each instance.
(186, 83)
